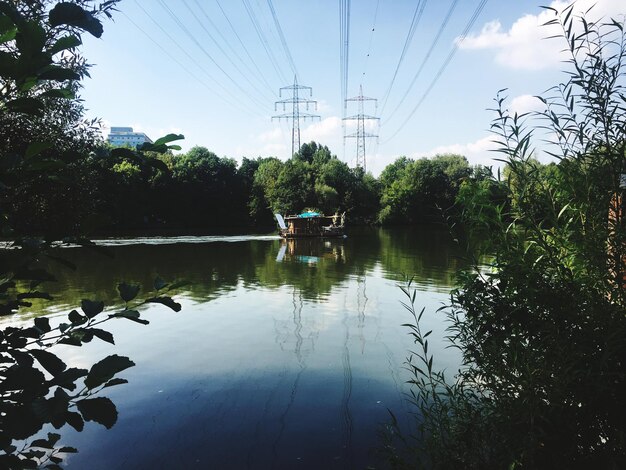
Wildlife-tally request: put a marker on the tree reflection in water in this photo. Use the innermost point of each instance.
(275, 358)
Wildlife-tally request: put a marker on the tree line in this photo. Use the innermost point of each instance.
(99, 188)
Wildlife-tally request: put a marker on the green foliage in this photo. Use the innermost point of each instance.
(45, 138)
(35, 381)
(417, 190)
(542, 329)
(313, 178)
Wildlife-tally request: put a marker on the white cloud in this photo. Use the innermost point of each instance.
(277, 141)
(525, 104)
(322, 131)
(524, 45)
(479, 152)
(324, 107)
(272, 135)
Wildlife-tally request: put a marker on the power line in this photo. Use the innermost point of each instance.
(344, 47)
(263, 39)
(417, 15)
(282, 38)
(230, 47)
(184, 51)
(208, 33)
(232, 27)
(369, 48)
(443, 67)
(428, 54)
(193, 38)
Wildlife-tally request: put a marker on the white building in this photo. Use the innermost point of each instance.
(125, 137)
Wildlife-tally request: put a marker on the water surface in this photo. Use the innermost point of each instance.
(284, 356)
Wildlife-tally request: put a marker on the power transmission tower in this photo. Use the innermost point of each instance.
(361, 135)
(296, 115)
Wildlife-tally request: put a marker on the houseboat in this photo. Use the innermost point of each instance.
(310, 224)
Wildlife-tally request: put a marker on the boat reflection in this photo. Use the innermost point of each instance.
(311, 251)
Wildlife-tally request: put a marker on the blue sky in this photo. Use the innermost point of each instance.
(177, 66)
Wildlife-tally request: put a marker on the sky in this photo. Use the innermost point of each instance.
(212, 70)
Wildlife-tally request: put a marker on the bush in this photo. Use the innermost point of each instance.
(542, 329)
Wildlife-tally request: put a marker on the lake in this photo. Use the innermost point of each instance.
(285, 355)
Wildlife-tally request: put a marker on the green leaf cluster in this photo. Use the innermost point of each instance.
(542, 327)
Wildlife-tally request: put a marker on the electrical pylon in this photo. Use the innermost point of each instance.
(361, 135)
(295, 101)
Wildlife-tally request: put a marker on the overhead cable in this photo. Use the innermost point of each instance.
(369, 48)
(234, 30)
(428, 54)
(193, 38)
(246, 76)
(186, 53)
(443, 67)
(417, 15)
(282, 38)
(228, 42)
(344, 48)
(264, 42)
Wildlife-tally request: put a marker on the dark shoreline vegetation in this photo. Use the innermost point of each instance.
(542, 330)
(107, 191)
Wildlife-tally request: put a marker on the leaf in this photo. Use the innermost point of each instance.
(59, 93)
(8, 35)
(91, 308)
(106, 369)
(130, 315)
(66, 42)
(68, 450)
(35, 148)
(114, 382)
(71, 341)
(76, 318)
(159, 283)
(21, 378)
(67, 378)
(168, 138)
(30, 39)
(101, 410)
(167, 301)
(43, 443)
(43, 323)
(60, 74)
(103, 335)
(49, 361)
(75, 420)
(127, 291)
(31, 106)
(65, 13)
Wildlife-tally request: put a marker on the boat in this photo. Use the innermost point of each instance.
(311, 224)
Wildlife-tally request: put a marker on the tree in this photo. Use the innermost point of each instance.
(263, 189)
(417, 190)
(542, 328)
(37, 66)
(294, 188)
